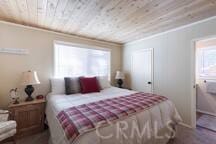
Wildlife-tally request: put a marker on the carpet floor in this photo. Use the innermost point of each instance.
(184, 136)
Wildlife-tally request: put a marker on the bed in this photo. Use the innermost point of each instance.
(157, 117)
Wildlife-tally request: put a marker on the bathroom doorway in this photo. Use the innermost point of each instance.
(206, 83)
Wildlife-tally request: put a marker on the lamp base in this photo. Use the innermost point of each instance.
(29, 99)
(29, 90)
(120, 82)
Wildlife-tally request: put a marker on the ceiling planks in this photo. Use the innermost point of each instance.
(185, 16)
(41, 12)
(5, 10)
(32, 10)
(168, 18)
(50, 12)
(117, 21)
(59, 15)
(15, 12)
(137, 25)
(23, 10)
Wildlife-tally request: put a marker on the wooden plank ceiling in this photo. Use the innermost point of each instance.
(118, 21)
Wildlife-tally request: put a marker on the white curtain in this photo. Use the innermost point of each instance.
(75, 61)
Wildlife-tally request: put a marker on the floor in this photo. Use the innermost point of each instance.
(206, 121)
(184, 136)
(194, 136)
(198, 115)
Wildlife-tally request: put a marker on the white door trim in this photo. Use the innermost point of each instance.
(193, 83)
(152, 63)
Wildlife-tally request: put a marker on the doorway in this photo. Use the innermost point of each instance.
(205, 83)
(142, 70)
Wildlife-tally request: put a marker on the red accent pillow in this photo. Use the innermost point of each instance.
(89, 84)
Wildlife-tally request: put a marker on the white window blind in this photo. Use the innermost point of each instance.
(74, 61)
(207, 62)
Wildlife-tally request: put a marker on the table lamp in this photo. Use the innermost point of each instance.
(29, 78)
(119, 76)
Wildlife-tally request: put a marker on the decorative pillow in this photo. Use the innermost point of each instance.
(103, 82)
(89, 84)
(72, 85)
(57, 86)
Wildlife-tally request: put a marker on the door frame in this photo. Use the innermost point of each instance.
(152, 63)
(193, 78)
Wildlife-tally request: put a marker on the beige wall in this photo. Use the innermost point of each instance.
(173, 66)
(40, 45)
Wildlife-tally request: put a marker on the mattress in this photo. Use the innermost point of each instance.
(156, 117)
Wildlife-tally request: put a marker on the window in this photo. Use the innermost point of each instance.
(207, 62)
(76, 61)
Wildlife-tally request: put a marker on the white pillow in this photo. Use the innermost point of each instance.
(57, 86)
(103, 82)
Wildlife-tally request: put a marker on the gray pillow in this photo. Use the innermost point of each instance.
(72, 85)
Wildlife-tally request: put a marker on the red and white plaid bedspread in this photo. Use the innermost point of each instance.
(80, 119)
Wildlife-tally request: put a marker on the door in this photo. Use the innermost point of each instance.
(142, 70)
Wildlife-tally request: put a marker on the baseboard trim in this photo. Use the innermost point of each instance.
(186, 125)
(205, 112)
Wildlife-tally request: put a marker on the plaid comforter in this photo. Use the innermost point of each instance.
(80, 119)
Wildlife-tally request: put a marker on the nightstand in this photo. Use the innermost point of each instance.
(29, 116)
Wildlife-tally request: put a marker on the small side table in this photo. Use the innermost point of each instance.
(29, 116)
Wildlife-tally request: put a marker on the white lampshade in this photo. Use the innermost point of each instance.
(119, 75)
(30, 78)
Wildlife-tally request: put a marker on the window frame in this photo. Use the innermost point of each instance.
(200, 63)
(84, 46)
